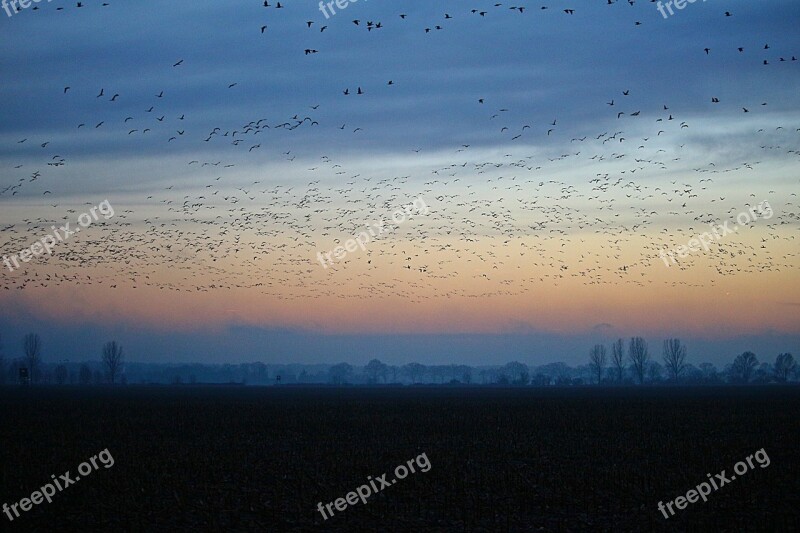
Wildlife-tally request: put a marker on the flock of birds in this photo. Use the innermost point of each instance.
(555, 209)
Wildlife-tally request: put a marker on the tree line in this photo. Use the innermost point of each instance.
(636, 361)
(624, 364)
(30, 369)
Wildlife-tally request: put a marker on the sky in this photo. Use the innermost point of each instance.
(500, 183)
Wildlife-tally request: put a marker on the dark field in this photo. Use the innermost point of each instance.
(501, 459)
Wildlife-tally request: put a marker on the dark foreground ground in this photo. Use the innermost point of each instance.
(501, 459)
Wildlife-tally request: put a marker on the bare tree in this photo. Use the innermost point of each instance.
(517, 372)
(784, 365)
(597, 360)
(32, 347)
(376, 369)
(339, 373)
(112, 357)
(414, 371)
(709, 371)
(674, 357)
(743, 367)
(637, 353)
(618, 357)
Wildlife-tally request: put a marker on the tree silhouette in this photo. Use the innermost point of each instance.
(414, 371)
(743, 367)
(339, 373)
(637, 353)
(112, 357)
(32, 347)
(437, 371)
(376, 369)
(618, 357)
(674, 357)
(709, 371)
(784, 365)
(597, 360)
(517, 372)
